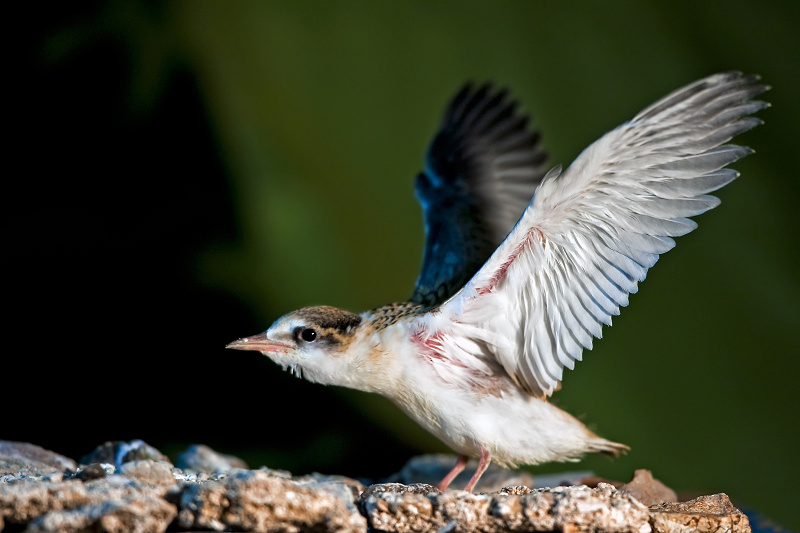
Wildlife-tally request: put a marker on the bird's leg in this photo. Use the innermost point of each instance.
(461, 462)
(482, 466)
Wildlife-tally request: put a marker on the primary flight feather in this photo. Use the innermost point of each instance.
(522, 268)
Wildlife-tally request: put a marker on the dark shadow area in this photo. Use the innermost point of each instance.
(112, 333)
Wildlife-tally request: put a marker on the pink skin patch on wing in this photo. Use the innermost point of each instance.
(531, 235)
(430, 345)
(453, 371)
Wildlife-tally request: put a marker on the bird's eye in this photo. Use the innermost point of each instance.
(307, 334)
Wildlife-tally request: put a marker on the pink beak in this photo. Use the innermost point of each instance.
(258, 343)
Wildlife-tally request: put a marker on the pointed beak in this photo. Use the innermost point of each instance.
(258, 343)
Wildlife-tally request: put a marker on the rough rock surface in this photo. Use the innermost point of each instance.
(21, 460)
(33, 453)
(201, 458)
(252, 500)
(130, 486)
(133, 514)
(148, 471)
(74, 505)
(119, 452)
(93, 471)
(648, 490)
(346, 489)
(644, 487)
(706, 514)
(421, 508)
(23, 500)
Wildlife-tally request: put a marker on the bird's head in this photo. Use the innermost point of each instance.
(313, 342)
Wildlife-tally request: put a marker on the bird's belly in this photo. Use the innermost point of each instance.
(515, 428)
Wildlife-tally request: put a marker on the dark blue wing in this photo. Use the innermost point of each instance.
(482, 169)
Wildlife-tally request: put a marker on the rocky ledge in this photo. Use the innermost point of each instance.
(132, 487)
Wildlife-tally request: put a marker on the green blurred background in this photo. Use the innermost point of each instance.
(184, 173)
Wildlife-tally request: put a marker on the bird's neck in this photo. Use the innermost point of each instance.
(375, 353)
(373, 365)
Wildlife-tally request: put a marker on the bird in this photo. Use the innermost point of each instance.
(523, 265)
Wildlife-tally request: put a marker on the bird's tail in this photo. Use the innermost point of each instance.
(606, 447)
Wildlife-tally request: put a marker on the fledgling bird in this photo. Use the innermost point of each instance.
(522, 268)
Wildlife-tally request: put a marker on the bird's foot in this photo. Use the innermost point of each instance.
(461, 462)
(482, 466)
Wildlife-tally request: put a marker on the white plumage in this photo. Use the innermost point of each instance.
(590, 234)
(473, 364)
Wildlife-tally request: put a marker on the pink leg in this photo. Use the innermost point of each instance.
(482, 466)
(461, 462)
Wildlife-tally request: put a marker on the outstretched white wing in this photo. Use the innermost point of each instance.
(590, 234)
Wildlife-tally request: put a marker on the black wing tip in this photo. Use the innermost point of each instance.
(471, 95)
(469, 86)
(481, 119)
